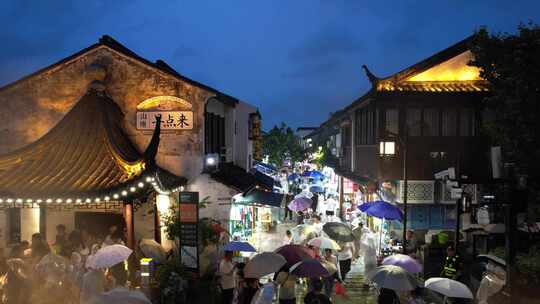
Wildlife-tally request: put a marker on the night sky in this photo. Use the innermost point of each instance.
(297, 60)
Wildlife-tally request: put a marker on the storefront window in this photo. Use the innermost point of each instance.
(14, 228)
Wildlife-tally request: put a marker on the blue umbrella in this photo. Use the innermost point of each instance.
(384, 210)
(239, 246)
(293, 177)
(316, 189)
(365, 206)
(313, 174)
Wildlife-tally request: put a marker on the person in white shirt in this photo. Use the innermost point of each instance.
(345, 256)
(226, 271)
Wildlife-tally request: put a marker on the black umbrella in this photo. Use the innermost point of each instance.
(338, 232)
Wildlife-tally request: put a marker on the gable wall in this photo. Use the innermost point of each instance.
(32, 107)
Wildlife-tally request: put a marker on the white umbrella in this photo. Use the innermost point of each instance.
(108, 256)
(324, 243)
(449, 288)
(152, 249)
(393, 277)
(263, 264)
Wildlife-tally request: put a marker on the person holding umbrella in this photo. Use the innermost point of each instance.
(345, 255)
(328, 282)
(226, 273)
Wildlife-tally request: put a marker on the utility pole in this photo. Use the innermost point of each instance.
(405, 191)
(341, 197)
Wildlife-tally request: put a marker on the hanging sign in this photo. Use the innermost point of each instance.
(189, 217)
(170, 120)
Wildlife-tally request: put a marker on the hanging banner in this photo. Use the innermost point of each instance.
(188, 204)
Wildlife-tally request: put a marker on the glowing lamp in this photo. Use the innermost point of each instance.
(387, 148)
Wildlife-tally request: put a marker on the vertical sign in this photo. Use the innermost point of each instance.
(189, 217)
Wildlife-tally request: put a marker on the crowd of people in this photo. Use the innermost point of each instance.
(38, 272)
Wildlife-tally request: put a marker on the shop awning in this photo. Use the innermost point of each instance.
(238, 178)
(260, 197)
(86, 157)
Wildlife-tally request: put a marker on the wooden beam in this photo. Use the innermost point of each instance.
(130, 227)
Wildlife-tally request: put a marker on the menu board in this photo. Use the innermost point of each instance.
(188, 205)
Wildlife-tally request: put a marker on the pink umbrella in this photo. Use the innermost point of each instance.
(295, 253)
(300, 204)
(403, 261)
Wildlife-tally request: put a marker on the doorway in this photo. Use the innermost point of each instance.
(98, 223)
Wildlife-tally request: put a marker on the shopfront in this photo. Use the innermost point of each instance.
(254, 215)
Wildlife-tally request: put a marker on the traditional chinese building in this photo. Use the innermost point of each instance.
(432, 110)
(105, 137)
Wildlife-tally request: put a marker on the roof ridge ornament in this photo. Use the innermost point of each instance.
(372, 78)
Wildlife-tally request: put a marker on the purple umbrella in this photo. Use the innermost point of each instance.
(384, 210)
(300, 204)
(364, 206)
(295, 253)
(309, 268)
(403, 261)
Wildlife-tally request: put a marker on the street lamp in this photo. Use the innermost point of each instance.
(387, 149)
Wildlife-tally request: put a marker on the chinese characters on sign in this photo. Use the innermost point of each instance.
(189, 216)
(170, 120)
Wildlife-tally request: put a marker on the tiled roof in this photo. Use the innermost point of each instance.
(433, 86)
(86, 154)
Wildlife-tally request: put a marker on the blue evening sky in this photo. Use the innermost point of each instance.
(297, 60)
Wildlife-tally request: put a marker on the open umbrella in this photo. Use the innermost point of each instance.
(300, 204)
(293, 177)
(263, 264)
(363, 207)
(338, 232)
(393, 277)
(324, 243)
(384, 210)
(108, 256)
(403, 261)
(449, 288)
(239, 246)
(309, 268)
(316, 189)
(295, 253)
(154, 250)
(304, 193)
(313, 174)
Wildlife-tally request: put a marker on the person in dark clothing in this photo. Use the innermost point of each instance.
(289, 213)
(316, 296)
(300, 218)
(250, 291)
(315, 200)
(452, 264)
(387, 296)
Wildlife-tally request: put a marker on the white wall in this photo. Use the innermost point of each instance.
(219, 195)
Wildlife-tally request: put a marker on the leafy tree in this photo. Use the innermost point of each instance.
(511, 63)
(281, 144)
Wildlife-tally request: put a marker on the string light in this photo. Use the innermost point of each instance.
(1, 200)
(9, 200)
(39, 201)
(148, 179)
(68, 201)
(141, 184)
(49, 200)
(124, 192)
(115, 196)
(58, 200)
(18, 200)
(132, 189)
(29, 200)
(97, 200)
(88, 200)
(107, 198)
(78, 200)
